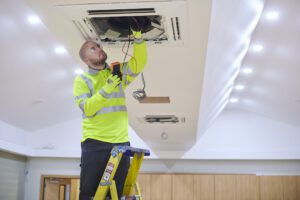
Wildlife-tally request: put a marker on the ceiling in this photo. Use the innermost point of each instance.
(200, 77)
(272, 89)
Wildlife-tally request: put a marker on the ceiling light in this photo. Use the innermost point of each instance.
(60, 50)
(33, 19)
(233, 100)
(239, 87)
(247, 70)
(257, 47)
(272, 15)
(78, 71)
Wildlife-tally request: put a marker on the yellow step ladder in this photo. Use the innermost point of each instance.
(107, 181)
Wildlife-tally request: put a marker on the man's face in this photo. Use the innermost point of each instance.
(95, 56)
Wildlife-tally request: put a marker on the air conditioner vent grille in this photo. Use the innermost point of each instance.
(121, 11)
(176, 28)
(163, 119)
(163, 23)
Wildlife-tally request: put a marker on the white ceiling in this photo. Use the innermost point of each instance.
(273, 88)
(36, 83)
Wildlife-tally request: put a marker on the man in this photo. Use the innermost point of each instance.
(101, 98)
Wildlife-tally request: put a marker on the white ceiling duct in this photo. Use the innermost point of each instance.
(163, 22)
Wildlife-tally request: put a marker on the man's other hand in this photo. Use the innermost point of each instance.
(111, 84)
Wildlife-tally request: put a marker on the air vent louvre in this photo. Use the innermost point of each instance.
(178, 29)
(175, 28)
(163, 119)
(121, 11)
(81, 29)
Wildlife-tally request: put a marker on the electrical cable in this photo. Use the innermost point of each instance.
(126, 53)
(140, 93)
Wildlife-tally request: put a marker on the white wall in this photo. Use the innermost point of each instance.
(243, 135)
(234, 135)
(60, 140)
(47, 166)
(70, 166)
(235, 144)
(63, 140)
(13, 139)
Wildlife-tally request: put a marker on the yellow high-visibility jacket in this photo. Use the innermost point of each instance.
(105, 116)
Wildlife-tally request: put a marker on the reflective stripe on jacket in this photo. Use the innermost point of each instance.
(105, 116)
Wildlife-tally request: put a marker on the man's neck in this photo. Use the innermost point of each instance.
(98, 68)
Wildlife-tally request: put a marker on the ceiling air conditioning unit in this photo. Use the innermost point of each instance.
(163, 22)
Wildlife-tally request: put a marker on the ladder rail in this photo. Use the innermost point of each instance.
(107, 182)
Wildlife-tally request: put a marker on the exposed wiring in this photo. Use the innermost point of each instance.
(140, 93)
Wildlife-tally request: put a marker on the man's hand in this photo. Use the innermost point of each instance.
(136, 35)
(111, 84)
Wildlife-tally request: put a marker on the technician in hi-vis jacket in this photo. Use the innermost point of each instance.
(101, 98)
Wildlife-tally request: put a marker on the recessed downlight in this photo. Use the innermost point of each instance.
(60, 50)
(247, 70)
(33, 19)
(272, 15)
(239, 87)
(257, 47)
(233, 100)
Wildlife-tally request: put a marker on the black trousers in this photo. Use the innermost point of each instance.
(94, 157)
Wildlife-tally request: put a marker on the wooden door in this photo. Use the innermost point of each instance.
(75, 184)
(51, 190)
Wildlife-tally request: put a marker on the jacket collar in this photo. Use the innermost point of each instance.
(96, 71)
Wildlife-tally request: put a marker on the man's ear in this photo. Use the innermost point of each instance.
(86, 61)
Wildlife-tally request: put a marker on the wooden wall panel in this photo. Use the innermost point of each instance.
(289, 187)
(247, 187)
(204, 187)
(225, 187)
(195, 187)
(144, 181)
(271, 188)
(298, 187)
(182, 187)
(161, 187)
